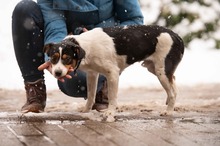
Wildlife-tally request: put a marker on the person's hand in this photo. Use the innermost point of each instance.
(84, 29)
(47, 65)
(79, 30)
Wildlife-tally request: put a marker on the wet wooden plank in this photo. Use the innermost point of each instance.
(37, 141)
(165, 129)
(115, 135)
(88, 135)
(213, 126)
(59, 135)
(25, 130)
(139, 133)
(213, 123)
(30, 136)
(199, 133)
(8, 138)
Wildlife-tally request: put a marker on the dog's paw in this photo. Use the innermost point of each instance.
(83, 110)
(166, 113)
(108, 116)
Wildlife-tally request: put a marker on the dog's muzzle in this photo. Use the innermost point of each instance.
(58, 73)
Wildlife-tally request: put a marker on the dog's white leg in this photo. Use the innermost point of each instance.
(170, 89)
(149, 65)
(92, 80)
(112, 83)
(113, 91)
(169, 86)
(173, 91)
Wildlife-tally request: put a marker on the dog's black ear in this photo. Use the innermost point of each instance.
(80, 53)
(47, 48)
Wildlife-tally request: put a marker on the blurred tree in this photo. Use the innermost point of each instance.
(190, 18)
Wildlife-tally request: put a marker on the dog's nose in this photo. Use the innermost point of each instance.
(58, 73)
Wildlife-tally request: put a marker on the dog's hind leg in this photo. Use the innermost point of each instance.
(149, 65)
(163, 66)
(170, 88)
(168, 83)
(92, 80)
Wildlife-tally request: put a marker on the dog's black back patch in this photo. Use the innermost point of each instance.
(137, 42)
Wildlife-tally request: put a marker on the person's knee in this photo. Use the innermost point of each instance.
(77, 86)
(24, 7)
(27, 14)
(72, 90)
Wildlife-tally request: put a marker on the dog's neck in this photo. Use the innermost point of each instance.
(77, 65)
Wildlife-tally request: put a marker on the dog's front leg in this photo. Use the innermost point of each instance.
(92, 80)
(112, 83)
(112, 92)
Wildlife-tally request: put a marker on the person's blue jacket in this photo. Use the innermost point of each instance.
(89, 13)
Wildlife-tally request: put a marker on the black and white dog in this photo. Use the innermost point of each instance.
(108, 51)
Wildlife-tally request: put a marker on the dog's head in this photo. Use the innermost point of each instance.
(64, 55)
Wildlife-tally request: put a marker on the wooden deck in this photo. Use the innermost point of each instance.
(69, 129)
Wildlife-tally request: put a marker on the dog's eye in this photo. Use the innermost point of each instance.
(66, 59)
(54, 59)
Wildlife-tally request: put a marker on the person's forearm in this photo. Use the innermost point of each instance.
(54, 22)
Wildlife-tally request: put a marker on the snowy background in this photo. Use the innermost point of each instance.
(200, 64)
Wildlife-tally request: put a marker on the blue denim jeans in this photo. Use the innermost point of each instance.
(28, 40)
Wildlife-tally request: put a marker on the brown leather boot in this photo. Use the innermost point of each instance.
(101, 100)
(36, 96)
